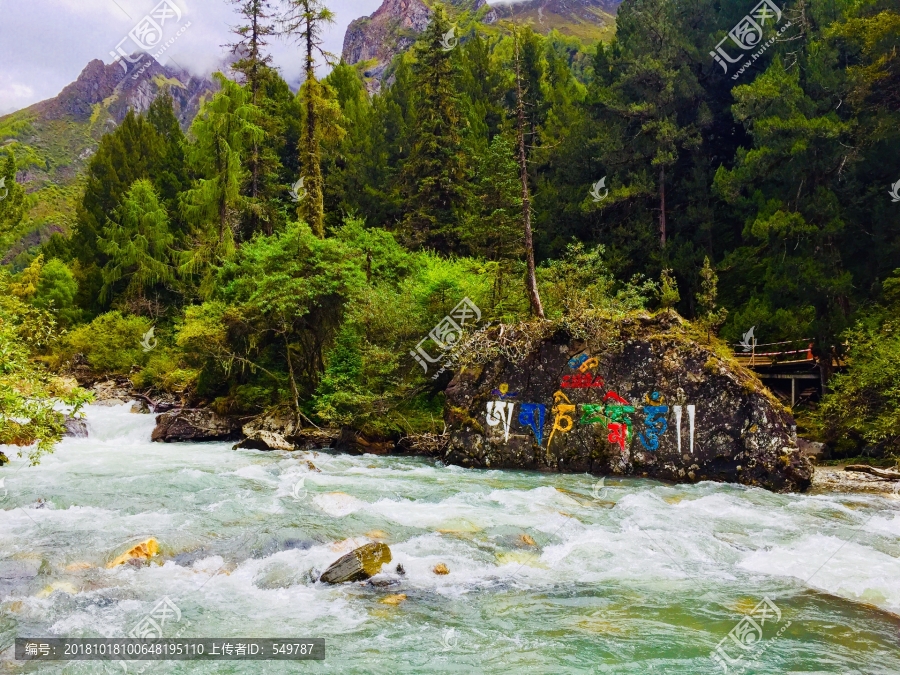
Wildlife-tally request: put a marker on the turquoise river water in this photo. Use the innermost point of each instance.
(547, 573)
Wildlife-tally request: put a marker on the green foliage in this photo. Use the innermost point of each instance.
(668, 290)
(711, 316)
(111, 343)
(28, 394)
(222, 131)
(138, 245)
(863, 404)
(773, 186)
(56, 292)
(581, 281)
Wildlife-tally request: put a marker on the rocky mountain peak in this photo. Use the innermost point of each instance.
(392, 29)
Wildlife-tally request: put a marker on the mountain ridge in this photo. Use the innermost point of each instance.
(373, 41)
(54, 139)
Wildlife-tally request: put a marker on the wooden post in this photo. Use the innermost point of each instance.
(793, 391)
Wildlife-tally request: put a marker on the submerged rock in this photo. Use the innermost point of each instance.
(358, 565)
(193, 425)
(76, 428)
(142, 552)
(637, 396)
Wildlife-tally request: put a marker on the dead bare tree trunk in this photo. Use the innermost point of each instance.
(531, 280)
(662, 207)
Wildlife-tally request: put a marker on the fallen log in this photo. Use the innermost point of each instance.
(886, 474)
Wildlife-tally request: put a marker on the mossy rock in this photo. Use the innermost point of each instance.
(358, 565)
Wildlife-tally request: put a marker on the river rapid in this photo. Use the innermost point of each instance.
(547, 573)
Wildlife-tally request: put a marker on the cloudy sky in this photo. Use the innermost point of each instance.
(44, 44)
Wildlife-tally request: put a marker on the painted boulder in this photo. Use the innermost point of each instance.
(640, 396)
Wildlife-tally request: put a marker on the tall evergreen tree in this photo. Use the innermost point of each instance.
(306, 20)
(223, 133)
(435, 175)
(139, 245)
(253, 64)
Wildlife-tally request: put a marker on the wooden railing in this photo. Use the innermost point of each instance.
(801, 353)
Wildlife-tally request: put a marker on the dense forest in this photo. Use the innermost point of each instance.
(290, 250)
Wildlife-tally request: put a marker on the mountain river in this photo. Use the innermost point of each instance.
(547, 573)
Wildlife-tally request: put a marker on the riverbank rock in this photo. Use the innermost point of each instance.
(111, 392)
(281, 432)
(815, 451)
(194, 425)
(642, 395)
(353, 441)
(358, 565)
(264, 440)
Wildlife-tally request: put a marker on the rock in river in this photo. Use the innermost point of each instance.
(642, 396)
(358, 565)
(193, 425)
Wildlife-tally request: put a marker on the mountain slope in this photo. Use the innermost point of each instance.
(589, 20)
(53, 140)
(374, 41)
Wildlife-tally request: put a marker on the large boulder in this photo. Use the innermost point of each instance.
(283, 432)
(194, 425)
(640, 396)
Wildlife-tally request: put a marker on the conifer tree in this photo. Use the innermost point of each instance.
(224, 130)
(138, 242)
(711, 315)
(254, 65)
(434, 177)
(305, 20)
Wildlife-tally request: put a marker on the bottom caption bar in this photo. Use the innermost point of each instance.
(170, 649)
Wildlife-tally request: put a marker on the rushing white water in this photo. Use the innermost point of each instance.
(548, 573)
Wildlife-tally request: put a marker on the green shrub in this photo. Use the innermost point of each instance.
(111, 343)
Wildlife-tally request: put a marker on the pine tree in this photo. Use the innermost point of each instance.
(138, 242)
(669, 296)
(224, 130)
(435, 175)
(711, 315)
(306, 20)
(254, 65)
